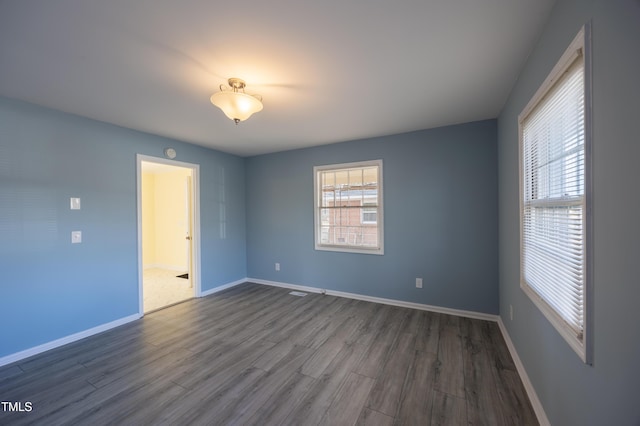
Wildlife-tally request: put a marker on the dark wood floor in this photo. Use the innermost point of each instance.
(257, 355)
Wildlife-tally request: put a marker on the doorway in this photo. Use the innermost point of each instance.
(168, 232)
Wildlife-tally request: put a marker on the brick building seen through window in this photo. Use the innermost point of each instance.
(351, 219)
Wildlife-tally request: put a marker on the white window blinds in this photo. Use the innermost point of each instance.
(553, 197)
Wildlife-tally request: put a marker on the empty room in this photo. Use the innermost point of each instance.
(319, 212)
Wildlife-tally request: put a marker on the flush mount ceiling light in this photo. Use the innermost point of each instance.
(236, 104)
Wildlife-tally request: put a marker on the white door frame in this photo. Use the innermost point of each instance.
(195, 237)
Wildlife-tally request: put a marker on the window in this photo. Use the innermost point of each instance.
(554, 197)
(348, 207)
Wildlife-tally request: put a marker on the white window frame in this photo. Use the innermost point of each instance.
(317, 170)
(579, 49)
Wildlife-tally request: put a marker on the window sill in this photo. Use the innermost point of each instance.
(343, 249)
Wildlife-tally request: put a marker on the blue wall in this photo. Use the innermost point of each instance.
(440, 213)
(441, 221)
(49, 288)
(571, 392)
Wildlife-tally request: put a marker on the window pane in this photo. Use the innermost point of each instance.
(327, 188)
(370, 176)
(355, 179)
(342, 178)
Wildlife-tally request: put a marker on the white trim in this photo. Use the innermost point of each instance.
(8, 359)
(195, 241)
(575, 49)
(285, 285)
(18, 356)
(567, 333)
(384, 301)
(222, 287)
(528, 386)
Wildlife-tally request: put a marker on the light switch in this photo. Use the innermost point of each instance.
(75, 203)
(76, 237)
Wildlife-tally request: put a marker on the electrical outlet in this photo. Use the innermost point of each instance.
(511, 312)
(76, 237)
(277, 266)
(75, 203)
(418, 282)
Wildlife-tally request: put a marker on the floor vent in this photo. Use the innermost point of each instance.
(298, 293)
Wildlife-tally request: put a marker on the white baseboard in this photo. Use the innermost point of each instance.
(528, 386)
(222, 287)
(8, 359)
(401, 303)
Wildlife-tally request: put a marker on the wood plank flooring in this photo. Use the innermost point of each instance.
(256, 355)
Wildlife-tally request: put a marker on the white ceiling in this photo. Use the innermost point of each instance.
(328, 70)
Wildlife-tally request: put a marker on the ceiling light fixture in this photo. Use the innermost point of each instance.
(236, 104)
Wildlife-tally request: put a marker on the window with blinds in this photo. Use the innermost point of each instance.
(553, 197)
(348, 207)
